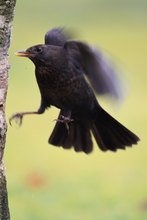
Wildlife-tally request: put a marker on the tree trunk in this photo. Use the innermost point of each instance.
(6, 17)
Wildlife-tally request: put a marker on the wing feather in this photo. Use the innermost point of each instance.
(98, 68)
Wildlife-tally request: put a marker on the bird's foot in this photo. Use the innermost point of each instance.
(65, 120)
(18, 117)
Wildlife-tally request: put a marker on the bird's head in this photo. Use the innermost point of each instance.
(39, 54)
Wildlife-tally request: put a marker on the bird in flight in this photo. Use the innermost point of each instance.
(70, 74)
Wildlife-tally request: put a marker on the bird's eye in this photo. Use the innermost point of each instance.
(38, 49)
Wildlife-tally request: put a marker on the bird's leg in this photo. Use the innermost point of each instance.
(18, 117)
(65, 119)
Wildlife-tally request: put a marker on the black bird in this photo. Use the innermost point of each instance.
(68, 73)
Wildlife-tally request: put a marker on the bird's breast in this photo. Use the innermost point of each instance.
(63, 89)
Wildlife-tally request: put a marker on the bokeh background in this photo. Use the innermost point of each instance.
(45, 182)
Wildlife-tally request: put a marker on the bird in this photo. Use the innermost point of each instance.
(70, 74)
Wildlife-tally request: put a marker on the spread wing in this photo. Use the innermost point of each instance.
(98, 68)
(56, 36)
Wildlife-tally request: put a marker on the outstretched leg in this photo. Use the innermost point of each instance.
(18, 117)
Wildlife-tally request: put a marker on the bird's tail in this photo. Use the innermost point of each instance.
(111, 134)
(75, 134)
(108, 132)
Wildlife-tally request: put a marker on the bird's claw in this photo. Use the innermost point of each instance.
(65, 120)
(18, 117)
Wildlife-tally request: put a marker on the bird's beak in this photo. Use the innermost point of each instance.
(23, 53)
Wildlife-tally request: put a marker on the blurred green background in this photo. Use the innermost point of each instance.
(45, 182)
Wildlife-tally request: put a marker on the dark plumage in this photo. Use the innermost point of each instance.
(68, 73)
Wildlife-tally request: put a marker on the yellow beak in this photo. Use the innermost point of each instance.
(23, 53)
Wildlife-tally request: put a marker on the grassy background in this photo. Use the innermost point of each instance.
(45, 182)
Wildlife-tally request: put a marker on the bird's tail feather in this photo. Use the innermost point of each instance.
(76, 135)
(111, 134)
(108, 133)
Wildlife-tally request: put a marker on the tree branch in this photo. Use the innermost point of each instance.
(6, 17)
